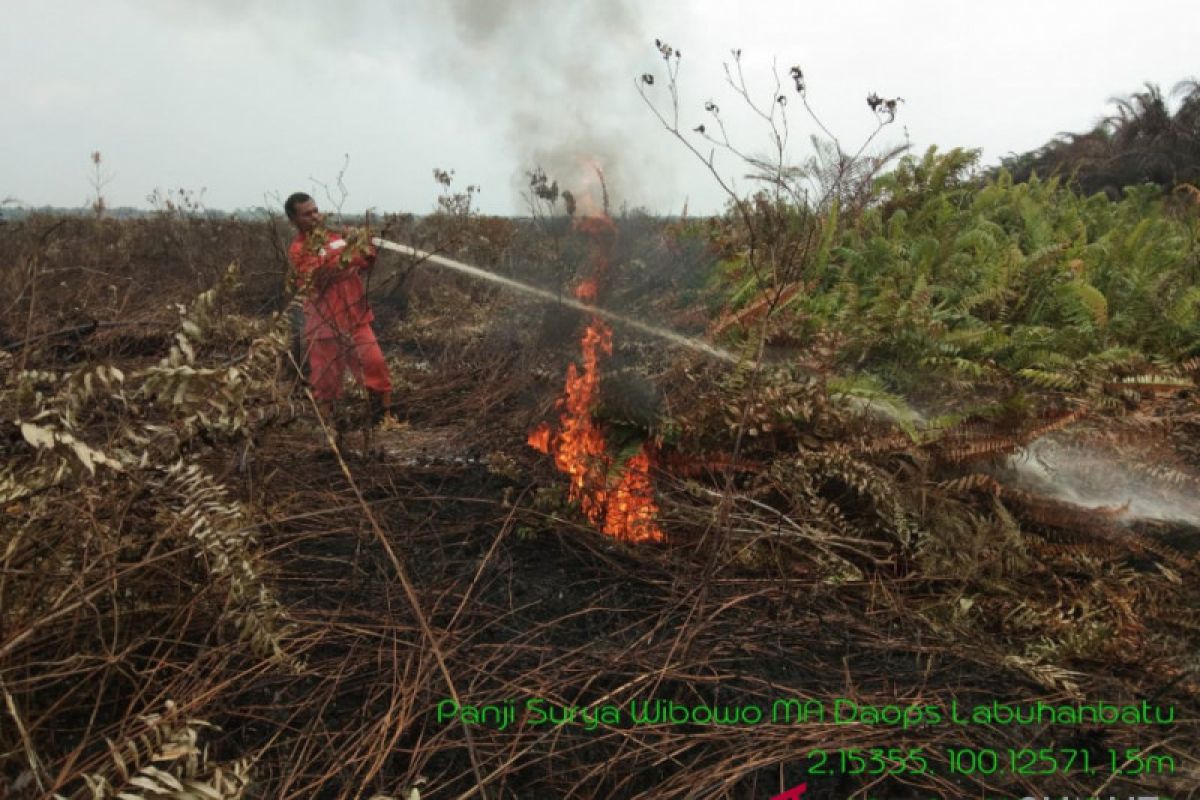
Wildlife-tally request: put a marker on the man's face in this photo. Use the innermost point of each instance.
(307, 216)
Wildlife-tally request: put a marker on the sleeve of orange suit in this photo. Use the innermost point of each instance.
(319, 267)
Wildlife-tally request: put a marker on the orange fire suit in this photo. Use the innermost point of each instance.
(337, 319)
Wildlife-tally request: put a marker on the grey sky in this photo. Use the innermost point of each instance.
(249, 98)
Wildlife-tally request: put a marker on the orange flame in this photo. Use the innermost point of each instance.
(539, 438)
(631, 506)
(627, 511)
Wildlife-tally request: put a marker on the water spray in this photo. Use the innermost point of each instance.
(553, 297)
(1064, 484)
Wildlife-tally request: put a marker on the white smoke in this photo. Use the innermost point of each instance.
(556, 77)
(560, 75)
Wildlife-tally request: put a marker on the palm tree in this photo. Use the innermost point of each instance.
(1146, 139)
(1142, 141)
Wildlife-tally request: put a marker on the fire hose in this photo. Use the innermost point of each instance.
(554, 297)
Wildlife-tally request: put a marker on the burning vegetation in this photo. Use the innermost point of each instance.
(209, 593)
(626, 510)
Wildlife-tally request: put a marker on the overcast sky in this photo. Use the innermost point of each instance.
(252, 99)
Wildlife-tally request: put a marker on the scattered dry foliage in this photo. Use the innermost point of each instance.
(207, 592)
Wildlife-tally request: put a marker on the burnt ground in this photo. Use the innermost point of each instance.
(526, 601)
(497, 590)
(444, 561)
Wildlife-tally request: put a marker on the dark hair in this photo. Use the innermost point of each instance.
(294, 200)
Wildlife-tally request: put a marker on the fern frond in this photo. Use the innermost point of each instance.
(1046, 379)
(1150, 384)
(167, 739)
(1089, 299)
(976, 481)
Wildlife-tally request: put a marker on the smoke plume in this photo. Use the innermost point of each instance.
(557, 78)
(560, 76)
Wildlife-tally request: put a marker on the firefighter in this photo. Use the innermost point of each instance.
(337, 319)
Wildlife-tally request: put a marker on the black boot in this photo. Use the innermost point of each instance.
(380, 407)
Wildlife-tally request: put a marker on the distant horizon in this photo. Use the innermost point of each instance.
(24, 210)
(14, 204)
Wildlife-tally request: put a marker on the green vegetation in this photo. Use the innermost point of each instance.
(210, 591)
(1007, 287)
(1143, 141)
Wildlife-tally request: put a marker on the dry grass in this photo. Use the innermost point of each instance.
(260, 601)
